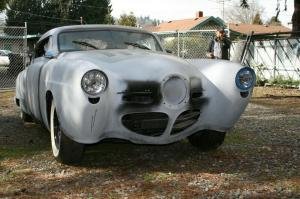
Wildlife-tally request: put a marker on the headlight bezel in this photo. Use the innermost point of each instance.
(95, 93)
(248, 86)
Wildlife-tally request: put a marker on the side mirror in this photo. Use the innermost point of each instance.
(169, 51)
(50, 54)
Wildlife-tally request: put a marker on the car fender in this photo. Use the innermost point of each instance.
(225, 103)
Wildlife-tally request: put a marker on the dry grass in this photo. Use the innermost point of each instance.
(259, 159)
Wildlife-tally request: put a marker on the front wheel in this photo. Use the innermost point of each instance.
(207, 140)
(64, 149)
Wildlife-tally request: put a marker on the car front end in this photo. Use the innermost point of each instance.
(147, 98)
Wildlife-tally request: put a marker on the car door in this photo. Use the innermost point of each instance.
(33, 76)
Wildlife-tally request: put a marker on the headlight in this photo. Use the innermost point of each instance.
(94, 82)
(245, 79)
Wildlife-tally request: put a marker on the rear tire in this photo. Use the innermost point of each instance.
(207, 140)
(64, 149)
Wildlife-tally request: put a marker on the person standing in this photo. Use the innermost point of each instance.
(219, 46)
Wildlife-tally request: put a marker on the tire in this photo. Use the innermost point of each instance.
(207, 140)
(64, 149)
(26, 117)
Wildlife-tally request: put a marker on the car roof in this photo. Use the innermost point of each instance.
(58, 30)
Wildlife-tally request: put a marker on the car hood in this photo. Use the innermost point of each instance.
(132, 62)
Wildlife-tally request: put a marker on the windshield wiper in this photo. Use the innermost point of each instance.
(83, 43)
(137, 45)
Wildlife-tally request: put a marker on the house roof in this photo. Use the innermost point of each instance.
(179, 25)
(265, 29)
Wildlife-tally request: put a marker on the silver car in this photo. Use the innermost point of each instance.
(92, 82)
(4, 57)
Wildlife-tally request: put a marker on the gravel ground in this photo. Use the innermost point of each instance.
(259, 159)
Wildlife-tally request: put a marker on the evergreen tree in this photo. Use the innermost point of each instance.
(257, 19)
(32, 12)
(2, 4)
(91, 11)
(43, 15)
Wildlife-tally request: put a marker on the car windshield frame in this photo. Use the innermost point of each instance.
(159, 48)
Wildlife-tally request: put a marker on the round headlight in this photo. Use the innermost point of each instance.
(94, 82)
(245, 79)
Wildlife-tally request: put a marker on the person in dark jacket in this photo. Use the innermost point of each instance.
(219, 46)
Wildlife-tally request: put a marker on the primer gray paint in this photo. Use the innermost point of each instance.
(89, 123)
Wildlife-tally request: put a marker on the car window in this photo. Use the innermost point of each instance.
(106, 39)
(42, 47)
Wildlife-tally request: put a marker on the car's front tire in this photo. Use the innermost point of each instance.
(64, 149)
(207, 140)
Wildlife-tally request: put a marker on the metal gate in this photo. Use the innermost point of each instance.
(13, 54)
(274, 57)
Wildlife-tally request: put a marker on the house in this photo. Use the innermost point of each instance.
(199, 22)
(238, 31)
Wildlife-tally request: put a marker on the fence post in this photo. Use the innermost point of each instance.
(25, 46)
(275, 57)
(178, 35)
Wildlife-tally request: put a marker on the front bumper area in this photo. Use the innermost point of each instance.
(141, 113)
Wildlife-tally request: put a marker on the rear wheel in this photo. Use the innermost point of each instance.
(64, 149)
(207, 140)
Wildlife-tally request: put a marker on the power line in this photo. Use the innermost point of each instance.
(43, 16)
(87, 6)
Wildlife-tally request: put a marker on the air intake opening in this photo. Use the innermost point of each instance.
(185, 120)
(149, 124)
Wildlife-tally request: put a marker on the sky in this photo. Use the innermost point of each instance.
(182, 9)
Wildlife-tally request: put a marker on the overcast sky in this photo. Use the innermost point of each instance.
(181, 9)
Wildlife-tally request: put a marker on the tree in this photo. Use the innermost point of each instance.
(257, 19)
(92, 11)
(3, 4)
(239, 14)
(42, 15)
(128, 20)
(147, 21)
(30, 11)
(274, 21)
(295, 17)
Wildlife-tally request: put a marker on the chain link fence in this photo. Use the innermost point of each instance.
(187, 45)
(274, 57)
(13, 54)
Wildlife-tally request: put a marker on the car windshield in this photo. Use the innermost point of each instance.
(106, 39)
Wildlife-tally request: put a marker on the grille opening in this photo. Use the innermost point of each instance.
(141, 93)
(185, 120)
(196, 94)
(149, 124)
(143, 97)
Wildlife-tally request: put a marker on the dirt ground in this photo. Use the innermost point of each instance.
(259, 159)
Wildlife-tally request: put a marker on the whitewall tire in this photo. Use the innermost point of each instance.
(64, 149)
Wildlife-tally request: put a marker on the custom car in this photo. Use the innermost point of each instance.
(89, 83)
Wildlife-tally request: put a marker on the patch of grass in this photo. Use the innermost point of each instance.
(149, 177)
(236, 137)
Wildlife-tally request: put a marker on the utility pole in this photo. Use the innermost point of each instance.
(222, 7)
